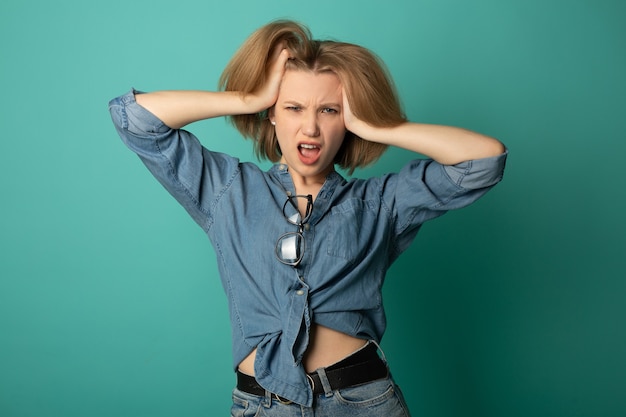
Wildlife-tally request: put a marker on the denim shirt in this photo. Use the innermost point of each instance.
(355, 232)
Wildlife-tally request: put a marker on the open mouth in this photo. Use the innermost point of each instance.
(309, 153)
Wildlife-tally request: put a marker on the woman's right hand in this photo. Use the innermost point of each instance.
(179, 108)
(266, 96)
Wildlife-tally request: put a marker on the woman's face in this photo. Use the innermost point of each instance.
(309, 122)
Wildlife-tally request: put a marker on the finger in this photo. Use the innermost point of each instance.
(278, 52)
(278, 67)
(348, 117)
(284, 55)
(346, 103)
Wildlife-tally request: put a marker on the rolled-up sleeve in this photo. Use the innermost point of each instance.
(425, 189)
(192, 174)
(477, 173)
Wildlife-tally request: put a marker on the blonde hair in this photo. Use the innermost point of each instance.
(369, 89)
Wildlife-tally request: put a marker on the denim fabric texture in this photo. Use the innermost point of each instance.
(356, 230)
(374, 399)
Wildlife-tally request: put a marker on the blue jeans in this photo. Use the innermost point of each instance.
(374, 399)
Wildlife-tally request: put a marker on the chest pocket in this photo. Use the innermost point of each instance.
(351, 229)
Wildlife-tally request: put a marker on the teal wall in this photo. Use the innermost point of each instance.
(516, 306)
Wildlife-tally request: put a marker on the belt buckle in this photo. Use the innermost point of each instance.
(311, 382)
(282, 400)
(285, 401)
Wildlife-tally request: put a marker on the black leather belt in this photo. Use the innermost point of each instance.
(359, 368)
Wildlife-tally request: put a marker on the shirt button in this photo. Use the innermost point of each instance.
(288, 193)
(300, 292)
(307, 227)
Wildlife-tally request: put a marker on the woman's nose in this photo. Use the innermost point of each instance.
(310, 125)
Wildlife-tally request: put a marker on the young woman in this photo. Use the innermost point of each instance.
(302, 252)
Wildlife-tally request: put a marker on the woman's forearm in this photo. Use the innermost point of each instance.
(179, 108)
(445, 144)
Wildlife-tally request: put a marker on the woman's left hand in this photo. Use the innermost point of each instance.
(353, 123)
(445, 144)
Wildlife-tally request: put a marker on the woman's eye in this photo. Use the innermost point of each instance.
(293, 108)
(329, 110)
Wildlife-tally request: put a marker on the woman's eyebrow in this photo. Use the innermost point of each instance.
(292, 102)
(325, 104)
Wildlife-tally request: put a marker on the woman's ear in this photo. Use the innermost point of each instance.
(270, 116)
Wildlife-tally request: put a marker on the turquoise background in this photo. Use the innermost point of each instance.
(515, 306)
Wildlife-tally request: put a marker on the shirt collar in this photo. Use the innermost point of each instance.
(280, 172)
